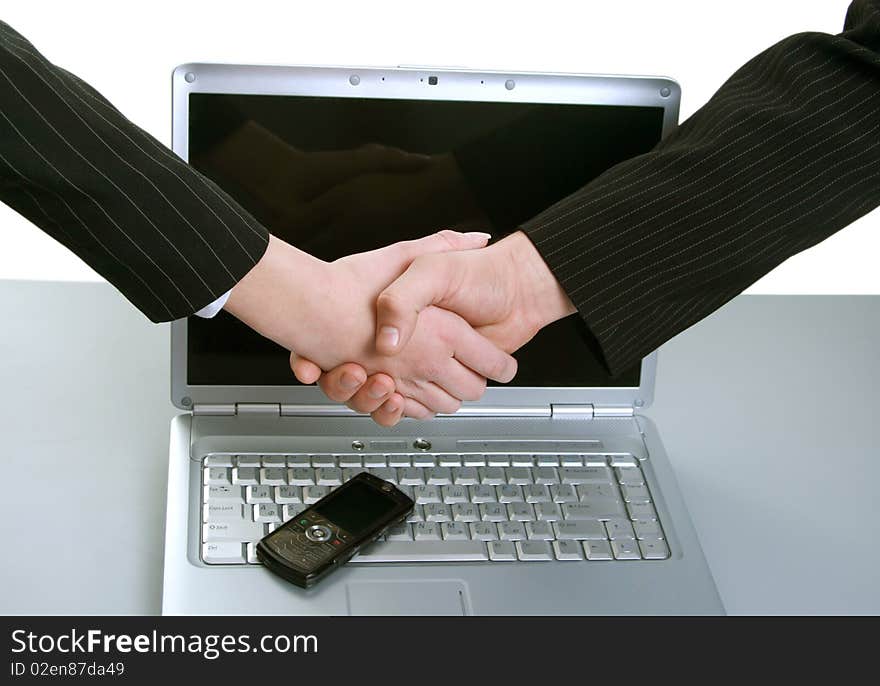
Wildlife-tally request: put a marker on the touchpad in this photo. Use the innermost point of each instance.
(407, 598)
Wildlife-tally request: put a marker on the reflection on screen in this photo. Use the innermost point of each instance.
(335, 176)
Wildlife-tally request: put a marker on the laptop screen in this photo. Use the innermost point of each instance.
(298, 164)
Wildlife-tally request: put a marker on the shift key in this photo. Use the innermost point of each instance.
(595, 508)
(231, 530)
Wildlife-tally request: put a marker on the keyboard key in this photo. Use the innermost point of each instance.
(387, 473)
(533, 551)
(228, 552)
(589, 491)
(406, 490)
(301, 476)
(465, 512)
(564, 493)
(427, 531)
(547, 512)
(423, 551)
(493, 512)
(465, 476)
(426, 494)
(510, 494)
(323, 460)
(258, 494)
(375, 461)
(274, 460)
(619, 529)
(398, 461)
(292, 510)
(228, 493)
(312, 494)
(240, 530)
(483, 494)
(626, 550)
(535, 493)
(502, 551)
(252, 553)
(635, 494)
(417, 515)
(273, 476)
(473, 460)
(641, 511)
(539, 531)
(449, 460)
(212, 512)
(511, 531)
(627, 476)
(647, 529)
(349, 461)
(218, 461)
(598, 508)
(484, 531)
(585, 475)
(568, 550)
(423, 460)
(571, 461)
(498, 460)
(267, 512)
(410, 476)
(328, 476)
(246, 476)
(595, 460)
(597, 550)
(654, 549)
(521, 461)
(288, 494)
(547, 460)
(399, 532)
(520, 512)
(437, 512)
(623, 461)
(439, 476)
(247, 461)
(580, 530)
(455, 531)
(351, 472)
(492, 476)
(546, 475)
(519, 475)
(298, 461)
(454, 494)
(216, 476)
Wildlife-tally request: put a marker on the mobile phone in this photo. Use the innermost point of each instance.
(322, 538)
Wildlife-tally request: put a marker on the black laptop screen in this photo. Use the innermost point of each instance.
(289, 160)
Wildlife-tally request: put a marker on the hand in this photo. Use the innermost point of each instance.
(326, 312)
(506, 291)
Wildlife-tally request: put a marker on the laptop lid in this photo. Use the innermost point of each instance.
(518, 142)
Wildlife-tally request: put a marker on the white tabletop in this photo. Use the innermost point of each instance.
(766, 409)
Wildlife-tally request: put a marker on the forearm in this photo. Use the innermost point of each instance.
(170, 240)
(785, 154)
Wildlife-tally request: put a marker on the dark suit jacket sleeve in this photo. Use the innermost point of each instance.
(785, 154)
(169, 239)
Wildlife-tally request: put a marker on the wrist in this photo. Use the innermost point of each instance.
(542, 298)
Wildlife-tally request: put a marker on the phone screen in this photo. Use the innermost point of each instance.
(357, 508)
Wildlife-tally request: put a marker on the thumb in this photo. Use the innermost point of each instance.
(424, 283)
(442, 241)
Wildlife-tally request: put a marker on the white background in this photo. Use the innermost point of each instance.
(127, 51)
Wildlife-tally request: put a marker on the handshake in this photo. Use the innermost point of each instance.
(411, 329)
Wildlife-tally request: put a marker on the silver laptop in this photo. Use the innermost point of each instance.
(552, 494)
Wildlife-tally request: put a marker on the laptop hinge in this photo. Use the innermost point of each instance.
(567, 411)
(228, 410)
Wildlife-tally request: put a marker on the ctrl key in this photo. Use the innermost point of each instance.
(223, 553)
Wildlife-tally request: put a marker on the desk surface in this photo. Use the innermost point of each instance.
(780, 478)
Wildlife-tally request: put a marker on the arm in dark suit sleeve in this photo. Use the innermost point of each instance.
(170, 240)
(786, 153)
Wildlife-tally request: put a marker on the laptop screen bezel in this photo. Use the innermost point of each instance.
(413, 84)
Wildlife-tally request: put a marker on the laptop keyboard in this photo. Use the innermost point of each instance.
(501, 508)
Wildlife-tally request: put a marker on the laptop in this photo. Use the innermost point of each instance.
(552, 494)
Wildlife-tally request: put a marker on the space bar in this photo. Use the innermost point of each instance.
(423, 551)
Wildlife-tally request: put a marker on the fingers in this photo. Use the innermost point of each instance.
(442, 241)
(343, 382)
(304, 370)
(378, 389)
(481, 355)
(431, 396)
(413, 408)
(391, 411)
(460, 382)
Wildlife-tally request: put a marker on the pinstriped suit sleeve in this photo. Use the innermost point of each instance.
(786, 153)
(169, 239)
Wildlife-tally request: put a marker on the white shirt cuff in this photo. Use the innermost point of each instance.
(209, 311)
